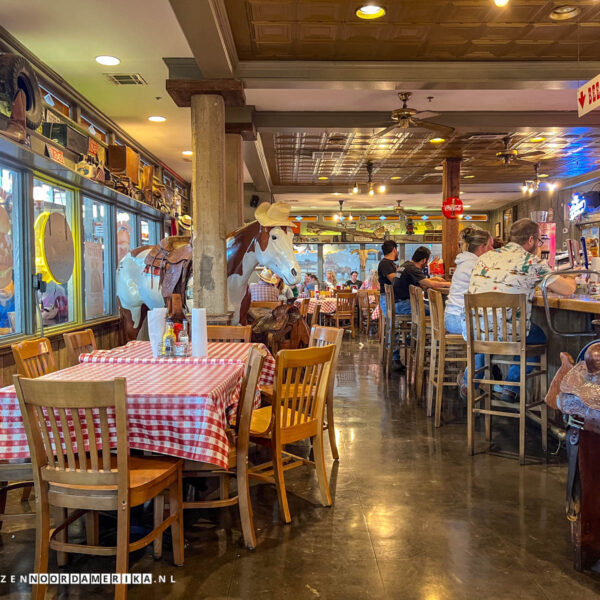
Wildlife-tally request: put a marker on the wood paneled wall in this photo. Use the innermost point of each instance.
(108, 335)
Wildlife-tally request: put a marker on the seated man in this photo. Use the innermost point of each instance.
(516, 269)
(412, 273)
(265, 290)
(354, 280)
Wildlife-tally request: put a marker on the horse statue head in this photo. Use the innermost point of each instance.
(268, 241)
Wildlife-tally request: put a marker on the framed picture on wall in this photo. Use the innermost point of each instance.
(509, 216)
(498, 230)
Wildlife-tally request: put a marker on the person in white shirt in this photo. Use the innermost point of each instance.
(474, 243)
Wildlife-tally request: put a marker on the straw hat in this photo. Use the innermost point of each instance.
(267, 276)
(185, 222)
(273, 215)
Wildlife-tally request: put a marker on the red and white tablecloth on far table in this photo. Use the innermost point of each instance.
(327, 305)
(180, 410)
(219, 353)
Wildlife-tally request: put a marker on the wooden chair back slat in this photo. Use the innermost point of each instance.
(254, 365)
(265, 304)
(417, 305)
(79, 342)
(229, 333)
(315, 316)
(324, 336)
(34, 358)
(436, 311)
(57, 416)
(304, 307)
(496, 321)
(344, 303)
(301, 385)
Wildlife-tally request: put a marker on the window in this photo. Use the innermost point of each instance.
(126, 233)
(11, 271)
(97, 266)
(93, 129)
(54, 251)
(307, 257)
(373, 258)
(340, 259)
(148, 232)
(53, 100)
(436, 250)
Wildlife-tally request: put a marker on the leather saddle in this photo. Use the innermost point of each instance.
(171, 261)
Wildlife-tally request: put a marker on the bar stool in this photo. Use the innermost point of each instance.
(420, 338)
(493, 330)
(447, 349)
(395, 326)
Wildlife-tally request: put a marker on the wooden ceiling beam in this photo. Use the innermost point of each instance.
(427, 75)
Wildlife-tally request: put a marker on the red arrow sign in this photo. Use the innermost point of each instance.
(582, 99)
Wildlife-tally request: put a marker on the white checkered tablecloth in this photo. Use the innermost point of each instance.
(219, 353)
(327, 305)
(180, 410)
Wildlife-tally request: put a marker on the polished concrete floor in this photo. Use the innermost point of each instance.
(414, 518)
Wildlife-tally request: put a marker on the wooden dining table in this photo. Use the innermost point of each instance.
(173, 408)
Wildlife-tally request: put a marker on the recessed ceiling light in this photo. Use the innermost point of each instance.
(500, 3)
(323, 178)
(336, 193)
(543, 175)
(157, 119)
(396, 177)
(564, 13)
(535, 140)
(109, 61)
(187, 153)
(437, 140)
(370, 11)
(469, 176)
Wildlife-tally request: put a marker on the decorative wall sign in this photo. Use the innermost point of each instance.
(452, 207)
(93, 258)
(55, 154)
(93, 147)
(54, 250)
(588, 96)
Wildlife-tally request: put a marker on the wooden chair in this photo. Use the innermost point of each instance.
(68, 477)
(447, 349)
(304, 304)
(493, 330)
(364, 310)
(231, 333)
(315, 316)
(322, 336)
(301, 388)
(34, 358)
(397, 328)
(345, 304)
(420, 340)
(78, 343)
(238, 435)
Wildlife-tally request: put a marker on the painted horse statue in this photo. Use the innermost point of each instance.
(148, 275)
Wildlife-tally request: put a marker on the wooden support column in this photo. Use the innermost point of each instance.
(208, 203)
(207, 99)
(450, 188)
(234, 182)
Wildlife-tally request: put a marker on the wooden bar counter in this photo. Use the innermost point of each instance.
(576, 303)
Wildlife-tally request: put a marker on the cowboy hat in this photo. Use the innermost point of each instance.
(185, 222)
(267, 276)
(273, 215)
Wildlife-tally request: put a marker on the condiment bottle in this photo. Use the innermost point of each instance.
(168, 347)
(183, 343)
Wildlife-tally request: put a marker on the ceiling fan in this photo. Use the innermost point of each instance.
(405, 117)
(400, 210)
(510, 154)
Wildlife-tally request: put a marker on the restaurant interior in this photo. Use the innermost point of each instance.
(243, 236)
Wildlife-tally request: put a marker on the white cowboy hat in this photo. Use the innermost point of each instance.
(185, 221)
(273, 215)
(267, 275)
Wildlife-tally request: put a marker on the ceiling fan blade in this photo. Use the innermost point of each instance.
(426, 115)
(532, 154)
(385, 131)
(441, 129)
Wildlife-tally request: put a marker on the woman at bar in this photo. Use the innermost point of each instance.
(474, 243)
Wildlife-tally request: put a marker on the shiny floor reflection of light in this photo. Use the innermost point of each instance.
(414, 518)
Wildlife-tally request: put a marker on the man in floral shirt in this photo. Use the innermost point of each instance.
(516, 269)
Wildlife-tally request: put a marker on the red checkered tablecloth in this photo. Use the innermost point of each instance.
(180, 410)
(219, 353)
(327, 305)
